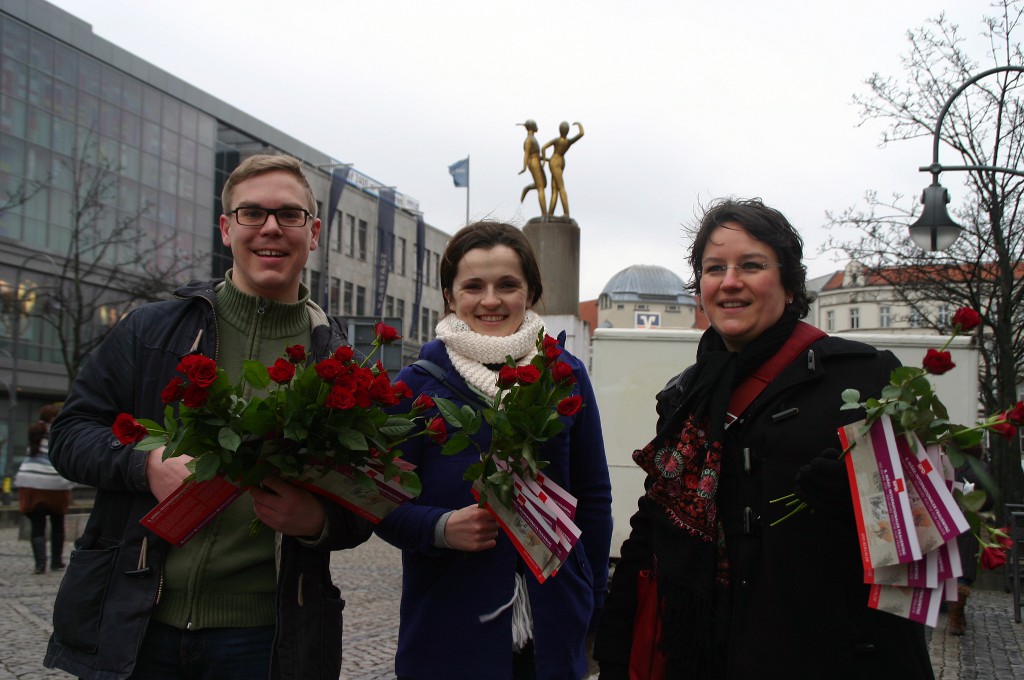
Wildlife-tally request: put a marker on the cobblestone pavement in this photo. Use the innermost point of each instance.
(370, 580)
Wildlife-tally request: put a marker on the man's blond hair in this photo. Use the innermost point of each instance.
(260, 164)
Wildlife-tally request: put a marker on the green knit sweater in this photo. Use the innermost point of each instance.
(223, 577)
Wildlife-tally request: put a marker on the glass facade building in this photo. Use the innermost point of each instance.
(72, 104)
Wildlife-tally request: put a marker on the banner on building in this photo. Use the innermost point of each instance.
(385, 247)
(421, 249)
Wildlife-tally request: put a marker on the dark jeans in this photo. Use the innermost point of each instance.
(209, 654)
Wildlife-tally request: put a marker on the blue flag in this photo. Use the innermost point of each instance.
(460, 172)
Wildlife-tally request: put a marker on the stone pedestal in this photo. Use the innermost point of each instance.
(556, 243)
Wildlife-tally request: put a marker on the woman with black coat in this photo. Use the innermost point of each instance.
(742, 596)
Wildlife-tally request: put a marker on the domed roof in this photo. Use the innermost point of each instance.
(647, 282)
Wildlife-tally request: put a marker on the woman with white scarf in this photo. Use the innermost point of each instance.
(470, 609)
(43, 493)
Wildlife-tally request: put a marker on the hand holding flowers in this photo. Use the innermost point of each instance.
(295, 419)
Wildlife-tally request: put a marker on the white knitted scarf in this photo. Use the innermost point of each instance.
(469, 350)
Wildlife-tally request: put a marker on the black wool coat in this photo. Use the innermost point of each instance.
(797, 602)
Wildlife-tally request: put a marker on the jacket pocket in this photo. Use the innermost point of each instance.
(331, 627)
(78, 609)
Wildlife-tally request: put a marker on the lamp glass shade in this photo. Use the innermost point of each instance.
(934, 229)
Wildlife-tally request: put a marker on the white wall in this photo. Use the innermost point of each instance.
(630, 366)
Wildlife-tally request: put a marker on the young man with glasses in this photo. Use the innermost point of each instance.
(224, 605)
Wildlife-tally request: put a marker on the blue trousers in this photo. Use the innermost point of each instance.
(209, 654)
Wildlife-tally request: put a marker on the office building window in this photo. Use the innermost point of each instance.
(338, 235)
(426, 268)
(361, 240)
(347, 306)
(316, 290)
(885, 317)
(360, 301)
(335, 296)
(400, 256)
(830, 321)
(437, 270)
(944, 316)
(433, 322)
(389, 305)
(854, 317)
(916, 320)
(400, 310)
(351, 220)
(425, 330)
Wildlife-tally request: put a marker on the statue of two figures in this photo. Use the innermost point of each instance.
(534, 158)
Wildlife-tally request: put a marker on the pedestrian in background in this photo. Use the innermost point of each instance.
(43, 493)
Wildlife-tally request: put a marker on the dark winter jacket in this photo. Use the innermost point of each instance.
(798, 601)
(115, 572)
(444, 592)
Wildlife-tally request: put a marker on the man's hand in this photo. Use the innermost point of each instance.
(165, 476)
(471, 529)
(288, 509)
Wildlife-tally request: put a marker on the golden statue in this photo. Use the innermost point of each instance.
(533, 160)
(556, 164)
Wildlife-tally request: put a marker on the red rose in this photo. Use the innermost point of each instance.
(423, 403)
(570, 406)
(966, 318)
(506, 377)
(328, 370)
(187, 362)
(386, 333)
(1006, 430)
(561, 372)
(340, 398)
(402, 390)
(548, 341)
(201, 371)
(437, 431)
(195, 396)
(528, 374)
(381, 392)
(1016, 414)
(296, 354)
(128, 430)
(937, 363)
(282, 371)
(993, 557)
(362, 395)
(344, 354)
(173, 391)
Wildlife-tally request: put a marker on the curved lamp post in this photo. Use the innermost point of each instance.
(935, 229)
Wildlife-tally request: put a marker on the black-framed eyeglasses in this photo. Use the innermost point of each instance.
(252, 216)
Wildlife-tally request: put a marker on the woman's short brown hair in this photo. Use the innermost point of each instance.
(487, 234)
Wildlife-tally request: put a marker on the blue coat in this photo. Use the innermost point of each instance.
(444, 591)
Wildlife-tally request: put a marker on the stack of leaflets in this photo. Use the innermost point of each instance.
(539, 521)
(193, 505)
(907, 519)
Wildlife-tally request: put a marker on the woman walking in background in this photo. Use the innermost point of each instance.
(43, 493)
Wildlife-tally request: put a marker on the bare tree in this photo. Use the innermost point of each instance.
(983, 269)
(111, 264)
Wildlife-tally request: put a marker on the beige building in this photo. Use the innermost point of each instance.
(646, 296)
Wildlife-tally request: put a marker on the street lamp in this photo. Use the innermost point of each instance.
(935, 229)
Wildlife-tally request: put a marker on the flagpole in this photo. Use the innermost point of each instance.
(467, 188)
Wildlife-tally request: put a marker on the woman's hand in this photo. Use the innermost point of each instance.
(165, 476)
(288, 509)
(471, 529)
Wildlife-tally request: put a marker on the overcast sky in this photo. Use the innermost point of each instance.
(682, 101)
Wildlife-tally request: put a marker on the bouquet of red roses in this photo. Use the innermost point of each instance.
(535, 512)
(322, 425)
